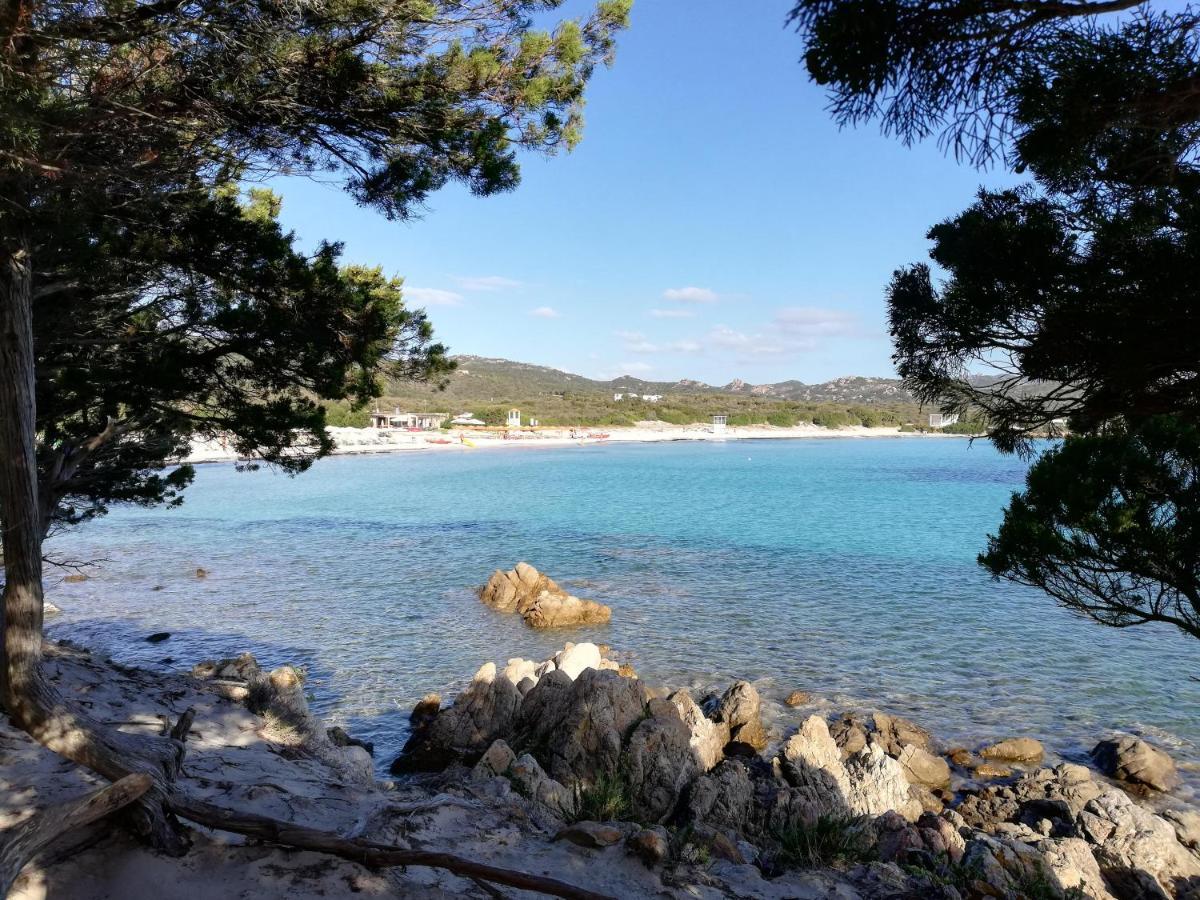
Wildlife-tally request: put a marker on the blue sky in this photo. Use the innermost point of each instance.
(714, 223)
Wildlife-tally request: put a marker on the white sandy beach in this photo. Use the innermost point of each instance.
(460, 440)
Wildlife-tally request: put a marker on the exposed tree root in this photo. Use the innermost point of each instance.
(22, 842)
(152, 763)
(367, 853)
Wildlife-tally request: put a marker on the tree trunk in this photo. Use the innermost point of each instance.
(32, 703)
(22, 539)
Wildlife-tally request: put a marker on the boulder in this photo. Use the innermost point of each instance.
(811, 759)
(1186, 823)
(659, 762)
(740, 708)
(1069, 861)
(595, 835)
(485, 711)
(899, 841)
(923, 768)
(723, 798)
(706, 737)
(797, 698)
(877, 784)
(531, 781)
(1130, 839)
(1134, 761)
(1060, 793)
(849, 734)
(539, 600)
(578, 727)
(577, 657)
(496, 760)
(650, 845)
(1000, 866)
(1019, 750)
(893, 734)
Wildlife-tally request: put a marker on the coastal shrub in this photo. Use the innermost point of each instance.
(607, 799)
(831, 840)
(834, 418)
(342, 415)
(908, 428)
(782, 419)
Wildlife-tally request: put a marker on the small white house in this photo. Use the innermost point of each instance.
(407, 420)
(940, 420)
(651, 398)
(718, 424)
(514, 418)
(618, 397)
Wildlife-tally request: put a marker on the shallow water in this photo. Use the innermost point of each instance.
(842, 567)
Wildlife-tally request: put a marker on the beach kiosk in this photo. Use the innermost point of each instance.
(718, 426)
(514, 418)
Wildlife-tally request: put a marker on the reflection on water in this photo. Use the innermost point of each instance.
(843, 567)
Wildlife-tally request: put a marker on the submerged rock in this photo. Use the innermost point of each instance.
(1135, 761)
(1019, 750)
(539, 600)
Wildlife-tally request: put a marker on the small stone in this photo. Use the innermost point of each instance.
(339, 737)
(798, 698)
(992, 770)
(962, 757)
(650, 845)
(74, 578)
(158, 637)
(590, 834)
(202, 573)
(1023, 750)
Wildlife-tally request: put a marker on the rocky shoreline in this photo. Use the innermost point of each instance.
(876, 800)
(574, 768)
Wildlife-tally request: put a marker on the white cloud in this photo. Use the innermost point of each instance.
(545, 312)
(487, 283)
(691, 295)
(636, 342)
(755, 344)
(628, 368)
(431, 296)
(684, 347)
(672, 313)
(813, 321)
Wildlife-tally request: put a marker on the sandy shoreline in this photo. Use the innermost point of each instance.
(459, 440)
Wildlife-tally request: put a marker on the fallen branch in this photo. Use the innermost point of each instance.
(372, 855)
(22, 842)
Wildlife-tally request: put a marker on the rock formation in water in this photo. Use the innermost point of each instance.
(538, 600)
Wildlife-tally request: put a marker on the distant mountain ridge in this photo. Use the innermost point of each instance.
(488, 377)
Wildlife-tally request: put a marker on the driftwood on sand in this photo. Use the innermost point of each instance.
(21, 843)
(18, 845)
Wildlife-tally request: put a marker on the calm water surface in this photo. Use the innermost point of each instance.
(843, 567)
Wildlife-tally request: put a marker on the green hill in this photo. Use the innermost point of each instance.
(487, 388)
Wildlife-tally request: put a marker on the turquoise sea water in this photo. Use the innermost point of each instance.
(842, 567)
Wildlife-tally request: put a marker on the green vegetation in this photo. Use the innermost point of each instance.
(829, 841)
(1075, 293)
(607, 799)
(489, 388)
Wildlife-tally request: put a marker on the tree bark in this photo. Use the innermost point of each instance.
(32, 703)
(22, 543)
